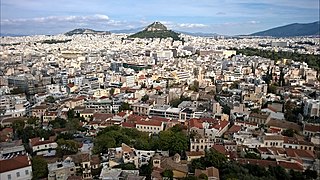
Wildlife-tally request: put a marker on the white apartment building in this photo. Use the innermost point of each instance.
(312, 108)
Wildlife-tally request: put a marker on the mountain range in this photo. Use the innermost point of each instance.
(86, 31)
(290, 30)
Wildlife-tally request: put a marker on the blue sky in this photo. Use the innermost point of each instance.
(228, 17)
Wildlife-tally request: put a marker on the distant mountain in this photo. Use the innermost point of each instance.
(86, 31)
(127, 31)
(12, 35)
(200, 34)
(156, 30)
(296, 29)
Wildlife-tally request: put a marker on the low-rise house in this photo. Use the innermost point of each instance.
(161, 163)
(118, 174)
(38, 111)
(18, 167)
(201, 143)
(211, 172)
(11, 149)
(61, 170)
(273, 141)
(308, 157)
(141, 109)
(311, 129)
(40, 146)
(49, 116)
(87, 114)
(283, 125)
(123, 154)
(295, 143)
(191, 155)
(150, 126)
(260, 118)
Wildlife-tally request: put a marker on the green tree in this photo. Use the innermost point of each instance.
(111, 91)
(125, 106)
(145, 98)
(39, 168)
(288, 132)
(102, 143)
(73, 125)
(50, 99)
(168, 174)
(203, 176)
(70, 113)
(67, 147)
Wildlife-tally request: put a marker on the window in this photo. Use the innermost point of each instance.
(9, 176)
(18, 174)
(27, 172)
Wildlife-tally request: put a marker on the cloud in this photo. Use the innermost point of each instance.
(190, 25)
(53, 19)
(254, 22)
(221, 13)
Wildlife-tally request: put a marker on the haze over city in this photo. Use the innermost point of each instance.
(30, 17)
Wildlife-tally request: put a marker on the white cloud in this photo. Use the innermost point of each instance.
(59, 19)
(190, 25)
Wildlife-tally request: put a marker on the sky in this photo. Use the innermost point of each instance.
(225, 17)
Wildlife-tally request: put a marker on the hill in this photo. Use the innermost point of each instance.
(156, 30)
(86, 31)
(296, 29)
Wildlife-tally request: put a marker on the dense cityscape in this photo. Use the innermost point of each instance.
(158, 102)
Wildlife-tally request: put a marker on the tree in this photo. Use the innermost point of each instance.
(33, 120)
(50, 99)
(272, 89)
(288, 132)
(203, 176)
(73, 125)
(67, 147)
(146, 170)
(145, 98)
(124, 106)
(195, 86)
(310, 174)
(70, 113)
(168, 174)
(39, 168)
(111, 91)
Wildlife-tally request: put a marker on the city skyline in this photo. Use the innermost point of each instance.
(29, 17)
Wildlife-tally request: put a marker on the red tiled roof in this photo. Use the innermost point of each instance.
(7, 130)
(234, 129)
(221, 124)
(312, 128)
(291, 165)
(37, 141)
(14, 163)
(300, 153)
(195, 123)
(149, 123)
(122, 114)
(102, 116)
(195, 153)
(128, 125)
(220, 148)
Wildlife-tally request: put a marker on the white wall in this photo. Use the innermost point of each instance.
(13, 173)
